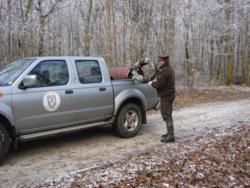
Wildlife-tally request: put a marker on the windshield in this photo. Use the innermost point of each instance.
(10, 72)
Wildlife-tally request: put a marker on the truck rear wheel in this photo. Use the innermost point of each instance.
(129, 121)
(4, 143)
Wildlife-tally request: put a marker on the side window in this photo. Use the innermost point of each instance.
(89, 72)
(51, 73)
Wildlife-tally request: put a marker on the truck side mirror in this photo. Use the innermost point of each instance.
(28, 81)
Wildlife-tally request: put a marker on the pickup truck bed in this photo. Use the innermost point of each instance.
(151, 99)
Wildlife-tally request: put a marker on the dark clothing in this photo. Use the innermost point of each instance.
(166, 109)
(165, 83)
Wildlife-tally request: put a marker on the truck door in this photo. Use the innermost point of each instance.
(94, 95)
(49, 103)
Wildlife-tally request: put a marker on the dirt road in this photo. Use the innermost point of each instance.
(41, 161)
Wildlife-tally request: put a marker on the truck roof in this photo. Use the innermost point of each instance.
(64, 57)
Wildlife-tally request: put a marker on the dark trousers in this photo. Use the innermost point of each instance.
(166, 109)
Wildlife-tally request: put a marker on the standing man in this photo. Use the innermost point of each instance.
(165, 86)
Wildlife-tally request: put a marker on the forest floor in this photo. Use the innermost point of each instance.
(186, 98)
(218, 157)
(212, 127)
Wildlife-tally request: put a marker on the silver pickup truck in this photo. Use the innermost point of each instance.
(47, 96)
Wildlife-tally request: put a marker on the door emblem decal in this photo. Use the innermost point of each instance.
(51, 101)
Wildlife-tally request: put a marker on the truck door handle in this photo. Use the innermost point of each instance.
(69, 92)
(102, 89)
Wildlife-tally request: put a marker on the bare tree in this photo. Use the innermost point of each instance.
(228, 40)
(43, 16)
(87, 26)
(207, 40)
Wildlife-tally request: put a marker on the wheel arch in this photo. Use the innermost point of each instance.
(135, 98)
(7, 125)
(139, 103)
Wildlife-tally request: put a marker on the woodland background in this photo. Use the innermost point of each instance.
(208, 40)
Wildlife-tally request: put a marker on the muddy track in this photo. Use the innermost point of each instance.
(41, 161)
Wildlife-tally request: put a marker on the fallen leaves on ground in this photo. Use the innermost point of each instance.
(186, 98)
(221, 161)
(216, 158)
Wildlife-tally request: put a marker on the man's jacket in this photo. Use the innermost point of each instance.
(165, 83)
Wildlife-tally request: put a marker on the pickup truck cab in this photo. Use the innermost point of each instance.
(47, 96)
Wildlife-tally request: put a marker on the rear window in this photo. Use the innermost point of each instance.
(89, 71)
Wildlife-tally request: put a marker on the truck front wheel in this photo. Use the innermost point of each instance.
(129, 121)
(4, 143)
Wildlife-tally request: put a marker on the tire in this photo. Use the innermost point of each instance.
(4, 143)
(129, 121)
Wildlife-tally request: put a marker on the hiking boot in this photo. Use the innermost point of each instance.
(164, 136)
(170, 135)
(168, 139)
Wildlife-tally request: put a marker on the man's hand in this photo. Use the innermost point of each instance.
(150, 83)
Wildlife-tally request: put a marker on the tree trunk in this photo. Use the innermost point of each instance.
(9, 43)
(229, 44)
(41, 28)
(87, 25)
(108, 18)
(41, 35)
(115, 57)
